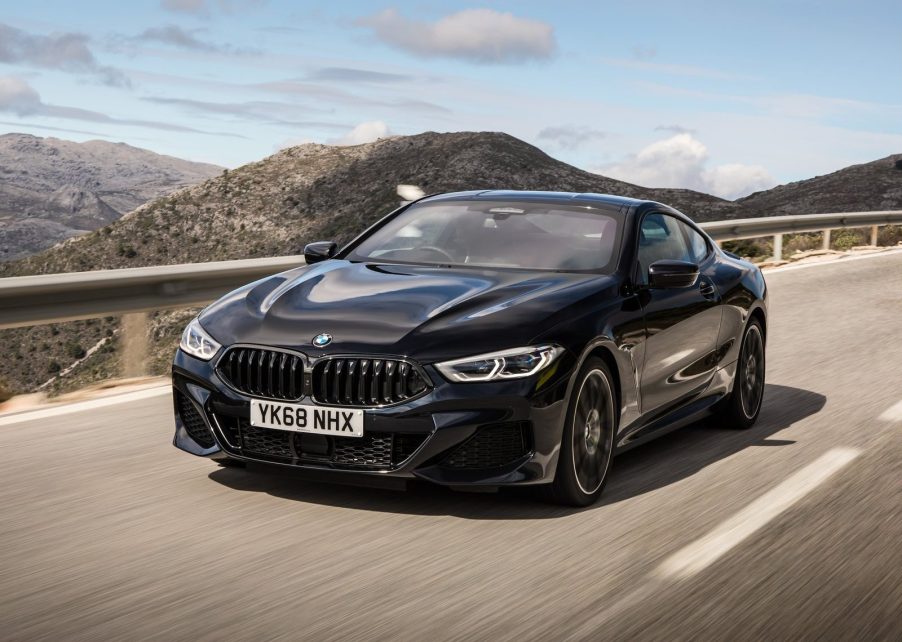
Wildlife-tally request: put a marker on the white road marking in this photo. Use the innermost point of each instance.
(703, 552)
(79, 406)
(893, 413)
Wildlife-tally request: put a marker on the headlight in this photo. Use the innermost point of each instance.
(507, 364)
(196, 342)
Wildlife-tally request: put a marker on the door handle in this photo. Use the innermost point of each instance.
(707, 289)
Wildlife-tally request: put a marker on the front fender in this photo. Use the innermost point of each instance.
(616, 333)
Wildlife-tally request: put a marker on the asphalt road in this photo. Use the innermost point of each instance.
(790, 530)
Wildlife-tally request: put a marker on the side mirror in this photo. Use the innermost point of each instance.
(669, 273)
(319, 251)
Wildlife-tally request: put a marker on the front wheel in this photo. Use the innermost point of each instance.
(740, 410)
(587, 444)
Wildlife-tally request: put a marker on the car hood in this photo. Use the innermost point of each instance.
(417, 311)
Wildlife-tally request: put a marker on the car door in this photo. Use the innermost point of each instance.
(682, 324)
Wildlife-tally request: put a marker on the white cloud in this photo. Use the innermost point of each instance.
(363, 133)
(674, 162)
(735, 180)
(206, 7)
(66, 51)
(570, 136)
(178, 37)
(18, 97)
(476, 35)
(681, 162)
(675, 129)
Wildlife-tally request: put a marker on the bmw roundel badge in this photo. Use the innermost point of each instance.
(322, 340)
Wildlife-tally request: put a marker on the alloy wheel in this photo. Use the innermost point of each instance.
(751, 372)
(592, 434)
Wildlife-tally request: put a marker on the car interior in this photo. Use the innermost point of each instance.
(538, 238)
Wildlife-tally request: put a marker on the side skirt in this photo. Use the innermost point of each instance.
(720, 386)
(678, 418)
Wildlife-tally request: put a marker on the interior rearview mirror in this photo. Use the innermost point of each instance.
(319, 251)
(670, 273)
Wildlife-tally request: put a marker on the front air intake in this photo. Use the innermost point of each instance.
(373, 451)
(492, 446)
(194, 424)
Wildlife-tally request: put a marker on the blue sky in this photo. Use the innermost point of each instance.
(722, 97)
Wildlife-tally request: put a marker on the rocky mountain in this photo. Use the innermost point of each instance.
(870, 186)
(52, 189)
(316, 192)
(274, 207)
(312, 191)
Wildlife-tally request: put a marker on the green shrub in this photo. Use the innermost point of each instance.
(846, 239)
(793, 243)
(75, 350)
(889, 235)
(127, 250)
(756, 249)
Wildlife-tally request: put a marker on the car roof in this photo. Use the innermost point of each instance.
(610, 200)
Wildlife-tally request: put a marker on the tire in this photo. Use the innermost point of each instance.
(740, 410)
(587, 442)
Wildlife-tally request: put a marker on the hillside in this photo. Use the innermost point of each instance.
(313, 191)
(52, 189)
(274, 207)
(870, 186)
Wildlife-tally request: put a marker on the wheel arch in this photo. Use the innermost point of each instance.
(759, 314)
(605, 354)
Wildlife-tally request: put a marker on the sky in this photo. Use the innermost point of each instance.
(722, 97)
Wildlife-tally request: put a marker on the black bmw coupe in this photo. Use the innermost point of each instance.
(479, 339)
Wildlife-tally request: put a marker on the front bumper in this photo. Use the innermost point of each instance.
(481, 434)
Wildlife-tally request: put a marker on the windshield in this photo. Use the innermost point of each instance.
(497, 234)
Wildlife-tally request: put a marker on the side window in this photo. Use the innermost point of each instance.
(660, 237)
(698, 246)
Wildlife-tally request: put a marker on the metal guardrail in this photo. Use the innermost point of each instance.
(52, 298)
(746, 228)
(777, 226)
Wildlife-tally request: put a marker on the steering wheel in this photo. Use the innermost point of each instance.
(436, 250)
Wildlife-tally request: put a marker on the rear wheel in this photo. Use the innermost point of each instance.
(587, 444)
(741, 408)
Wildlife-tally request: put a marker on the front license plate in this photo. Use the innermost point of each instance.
(295, 417)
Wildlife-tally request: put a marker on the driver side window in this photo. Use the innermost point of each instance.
(697, 243)
(660, 238)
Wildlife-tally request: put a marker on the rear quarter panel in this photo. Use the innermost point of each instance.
(743, 290)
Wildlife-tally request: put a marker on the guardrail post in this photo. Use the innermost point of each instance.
(134, 344)
(778, 247)
(826, 245)
(874, 235)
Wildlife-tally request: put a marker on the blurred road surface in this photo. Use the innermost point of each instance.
(790, 530)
